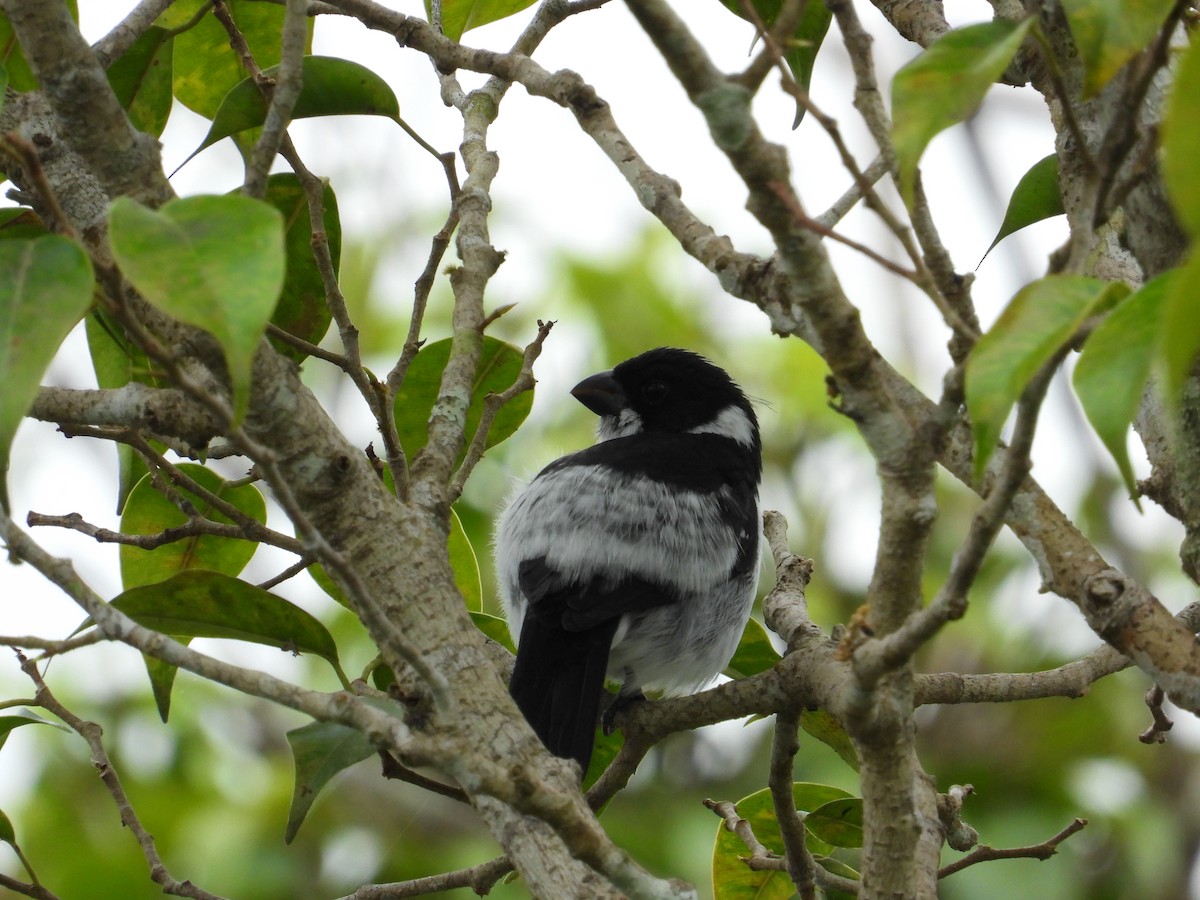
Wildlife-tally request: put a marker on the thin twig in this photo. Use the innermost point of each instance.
(393, 768)
(283, 93)
(196, 526)
(91, 732)
(126, 32)
(1157, 732)
(50, 647)
(480, 879)
(984, 853)
(493, 403)
(801, 867)
(290, 572)
(26, 156)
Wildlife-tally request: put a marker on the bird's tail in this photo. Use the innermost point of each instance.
(557, 683)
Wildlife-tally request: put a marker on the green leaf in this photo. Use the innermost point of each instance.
(1036, 197)
(1181, 329)
(302, 309)
(459, 16)
(1109, 33)
(494, 627)
(3, 84)
(17, 73)
(826, 729)
(21, 717)
(162, 680)
(213, 262)
(211, 605)
(331, 87)
(117, 361)
(20, 221)
(1114, 367)
(206, 68)
(605, 748)
(1181, 140)
(141, 79)
(800, 53)
(465, 565)
(732, 878)
(148, 511)
(499, 365)
(945, 84)
(320, 750)
(45, 288)
(754, 653)
(838, 822)
(1037, 322)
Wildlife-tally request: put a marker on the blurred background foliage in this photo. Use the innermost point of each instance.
(214, 787)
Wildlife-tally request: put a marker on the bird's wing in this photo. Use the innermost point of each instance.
(563, 653)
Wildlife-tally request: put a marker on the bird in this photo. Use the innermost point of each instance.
(636, 559)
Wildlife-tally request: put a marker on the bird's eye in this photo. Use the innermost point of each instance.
(655, 391)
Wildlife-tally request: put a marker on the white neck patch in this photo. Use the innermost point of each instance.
(625, 423)
(731, 422)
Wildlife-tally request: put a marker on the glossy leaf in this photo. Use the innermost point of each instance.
(800, 52)
(755, 653)
(1109, 33)
(1114, 367)
(206, 68)
(838, 823)
(1037, 322)
(459, 16)
(20, 717)
(162, 680)
(196, 604)
(302, 309)
(465, 565)
(945, 85)
(214, 262)
(499, 365)
(826, 729)
(732, 878)
(1036, 197)
(148, 511)
(320, 750)
(45, 288)
(331, 87)
(496, 628)
(141, 79)
(1181, 140)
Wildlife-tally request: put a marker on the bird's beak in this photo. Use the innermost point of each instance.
(600, 393)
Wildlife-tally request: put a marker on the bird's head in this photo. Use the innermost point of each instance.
(669, 390)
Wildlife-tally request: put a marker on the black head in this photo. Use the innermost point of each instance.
(669, 390)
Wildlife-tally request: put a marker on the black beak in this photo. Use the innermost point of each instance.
(600, 393)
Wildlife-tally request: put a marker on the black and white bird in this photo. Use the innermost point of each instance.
(635, 560)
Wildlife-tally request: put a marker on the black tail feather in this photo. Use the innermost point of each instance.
(557, 682)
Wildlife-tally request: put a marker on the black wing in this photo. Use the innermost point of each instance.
(563, 652)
